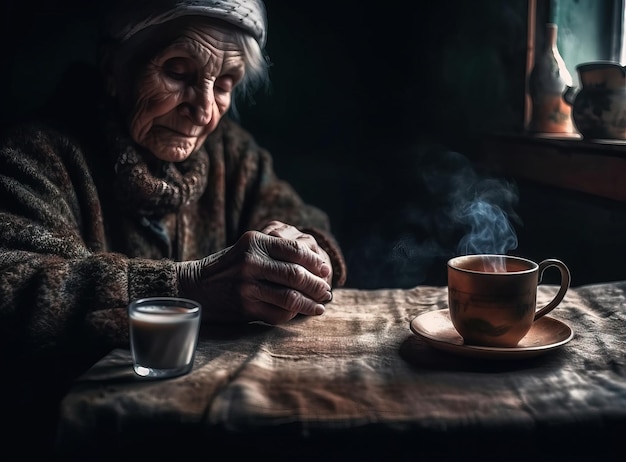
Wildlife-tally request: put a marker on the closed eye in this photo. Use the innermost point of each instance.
(178, 69)
(224, 84)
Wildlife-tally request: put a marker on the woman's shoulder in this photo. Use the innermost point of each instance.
(36, 146)
(28, 133)
(235, 138)
(232, 128)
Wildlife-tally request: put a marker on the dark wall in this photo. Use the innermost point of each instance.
(372, 112)
(586, 232)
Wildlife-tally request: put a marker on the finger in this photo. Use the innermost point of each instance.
(289, 232)
(293, 252)
(287, 299)
(272, 226)
(270, 314)
(279, 229)
(296, 277)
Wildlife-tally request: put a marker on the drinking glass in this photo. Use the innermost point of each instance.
(163, 335)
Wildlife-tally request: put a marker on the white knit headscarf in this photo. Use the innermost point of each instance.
(133, 16)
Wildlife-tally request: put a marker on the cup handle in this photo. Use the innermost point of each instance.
(565, 282)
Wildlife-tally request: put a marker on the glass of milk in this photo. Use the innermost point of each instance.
(163, 335)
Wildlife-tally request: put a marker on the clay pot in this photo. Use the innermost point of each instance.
(599, 105)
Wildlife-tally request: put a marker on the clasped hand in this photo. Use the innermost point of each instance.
(270, 275)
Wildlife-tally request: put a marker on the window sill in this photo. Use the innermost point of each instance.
(593, 167)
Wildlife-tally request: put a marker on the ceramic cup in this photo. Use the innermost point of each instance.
(493, 298)
(163, 335)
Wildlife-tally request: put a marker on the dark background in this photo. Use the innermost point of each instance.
(375, 113)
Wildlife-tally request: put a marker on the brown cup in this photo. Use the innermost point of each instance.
(493, 298)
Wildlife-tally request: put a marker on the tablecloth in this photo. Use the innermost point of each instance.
(357, 384)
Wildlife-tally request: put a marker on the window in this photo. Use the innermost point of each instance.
(588, 30)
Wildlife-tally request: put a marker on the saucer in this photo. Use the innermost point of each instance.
(437, 330)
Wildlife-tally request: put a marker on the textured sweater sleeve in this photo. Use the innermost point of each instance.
(267, 197)
(62, 295)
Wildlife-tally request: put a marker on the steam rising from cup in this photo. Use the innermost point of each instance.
(441, 208)
(490, 232)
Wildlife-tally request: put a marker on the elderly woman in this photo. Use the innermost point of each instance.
(149, 188)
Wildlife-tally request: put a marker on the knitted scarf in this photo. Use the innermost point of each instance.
(150, 186)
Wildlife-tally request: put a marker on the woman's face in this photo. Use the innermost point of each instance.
(181, 94)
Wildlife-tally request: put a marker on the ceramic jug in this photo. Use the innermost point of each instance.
(547, 82)
(599, 105)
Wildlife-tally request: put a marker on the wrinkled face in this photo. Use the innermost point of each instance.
(179, 97)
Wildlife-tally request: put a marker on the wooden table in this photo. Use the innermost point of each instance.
(358, 384)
